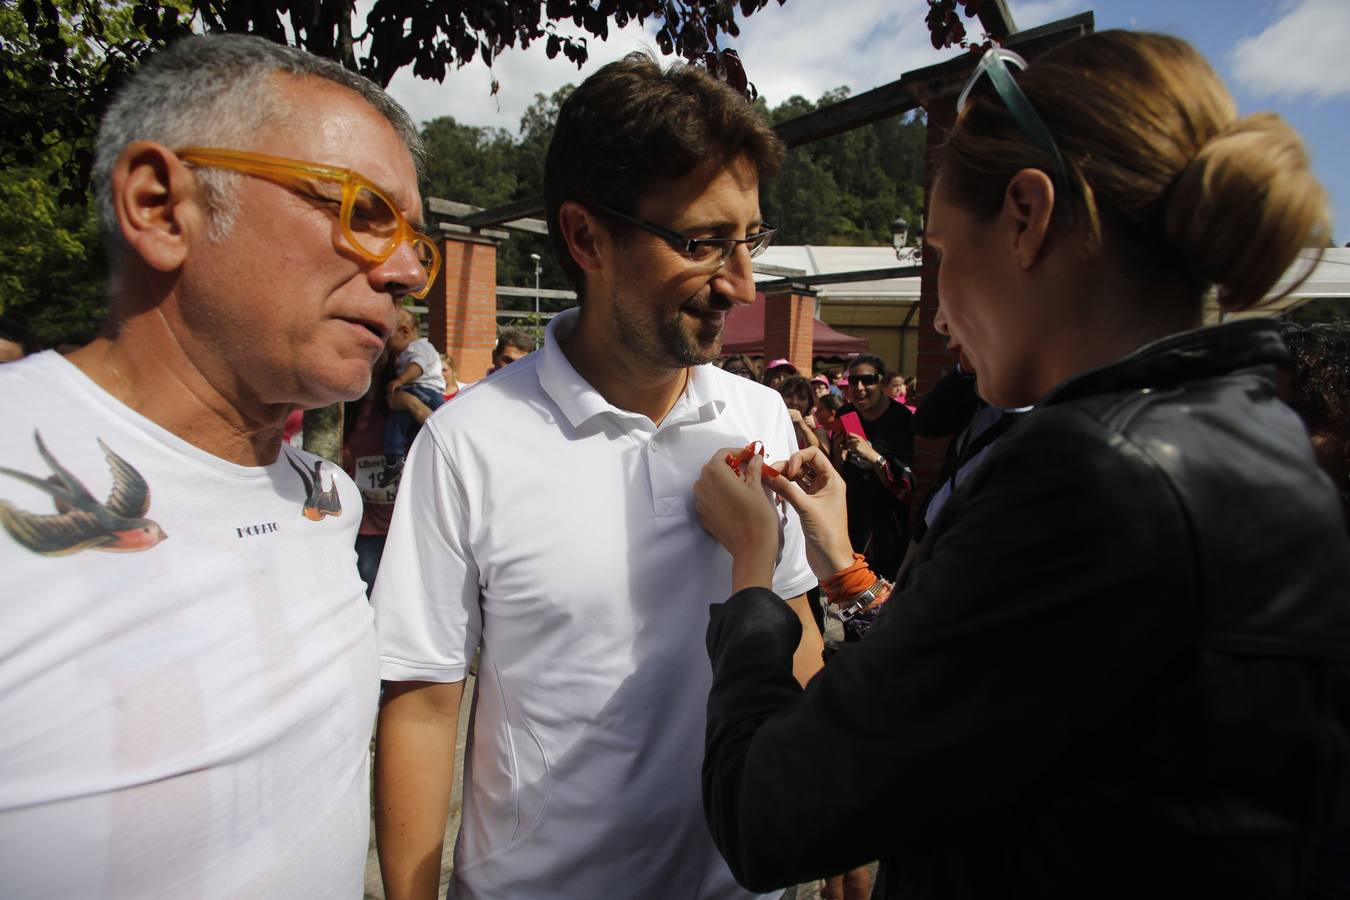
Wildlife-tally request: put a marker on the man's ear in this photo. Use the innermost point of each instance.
(158, 204)
(1027, 205)
(586, 240)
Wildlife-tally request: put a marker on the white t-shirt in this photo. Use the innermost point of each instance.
(423, 354)
(561, 531)
(189, 718)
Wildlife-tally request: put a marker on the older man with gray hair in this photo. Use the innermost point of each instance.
(188, 673)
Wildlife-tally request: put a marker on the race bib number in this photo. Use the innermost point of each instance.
(368, 472)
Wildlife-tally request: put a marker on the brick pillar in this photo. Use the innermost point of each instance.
(789, 327)
(933, 358)
(462, 304)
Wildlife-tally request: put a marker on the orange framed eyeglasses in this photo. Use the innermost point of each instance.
(371, 224)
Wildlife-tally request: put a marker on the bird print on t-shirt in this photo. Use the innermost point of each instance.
(81, 522)
(319, 501)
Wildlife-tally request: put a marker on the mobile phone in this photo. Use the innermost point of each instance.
(849, 423)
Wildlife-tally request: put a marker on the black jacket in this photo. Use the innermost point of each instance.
(878, 521)
(1120, 667)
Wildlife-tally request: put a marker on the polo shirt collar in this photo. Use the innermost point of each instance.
(703, 397)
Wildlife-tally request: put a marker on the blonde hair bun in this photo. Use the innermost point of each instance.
(1242, 209)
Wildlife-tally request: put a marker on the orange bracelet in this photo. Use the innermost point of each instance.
(850, 581)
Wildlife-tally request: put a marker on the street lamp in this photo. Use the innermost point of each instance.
(900, 237)
(535, 257)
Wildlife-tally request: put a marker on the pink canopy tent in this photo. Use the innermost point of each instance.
(745, 334)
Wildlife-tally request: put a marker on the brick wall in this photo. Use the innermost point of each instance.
(789, 328)
(462, 304)
(933, 359)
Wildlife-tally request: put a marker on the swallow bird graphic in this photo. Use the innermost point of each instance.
(319, 501)
(117, 525)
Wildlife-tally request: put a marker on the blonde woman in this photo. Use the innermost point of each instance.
(1118, 666)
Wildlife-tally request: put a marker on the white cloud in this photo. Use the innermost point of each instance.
(807, 48)
(1302, 54)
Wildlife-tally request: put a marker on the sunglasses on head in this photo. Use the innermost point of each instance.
(994, 66)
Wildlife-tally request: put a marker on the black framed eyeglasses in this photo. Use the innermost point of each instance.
(868, 379)
(710, 253)
(994, 63)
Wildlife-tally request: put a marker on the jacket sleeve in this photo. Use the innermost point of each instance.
(1022, 646)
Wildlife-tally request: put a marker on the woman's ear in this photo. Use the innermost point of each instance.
(1027, 205)
(157, 203)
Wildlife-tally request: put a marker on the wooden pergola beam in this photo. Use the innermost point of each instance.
(812, 280)
(996, 19)
(458, 211)
(507, 212)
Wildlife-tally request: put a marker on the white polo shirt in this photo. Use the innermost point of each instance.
(560, 531)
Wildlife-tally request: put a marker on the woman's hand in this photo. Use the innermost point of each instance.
(805, 434)
(816, 491)
(737, 511)
(861, 446)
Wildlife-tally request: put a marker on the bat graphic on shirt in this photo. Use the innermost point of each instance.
(319, 501)
(81, 522)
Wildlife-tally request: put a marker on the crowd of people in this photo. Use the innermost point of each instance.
(1103, 654)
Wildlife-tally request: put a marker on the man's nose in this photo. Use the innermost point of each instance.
(737, 277)
(402, 273)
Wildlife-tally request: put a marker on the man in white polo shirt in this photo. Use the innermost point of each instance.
(548, 516)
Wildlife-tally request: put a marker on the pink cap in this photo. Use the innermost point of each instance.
(778, 364)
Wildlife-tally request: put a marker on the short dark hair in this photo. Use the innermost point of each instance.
(799, 387)
(830, 401)
(512, 337)
(867, 359)
(632, 123)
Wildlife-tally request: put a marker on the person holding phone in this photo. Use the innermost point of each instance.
(873, 447)
(1117, 666)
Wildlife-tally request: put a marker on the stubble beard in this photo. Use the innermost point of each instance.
(667, 344)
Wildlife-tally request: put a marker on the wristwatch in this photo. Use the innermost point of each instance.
(863, 600)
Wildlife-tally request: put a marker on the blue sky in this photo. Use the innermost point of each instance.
(1287, 56)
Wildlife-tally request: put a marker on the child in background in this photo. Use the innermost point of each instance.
(420, 374)
(800, 399)
(826, 416)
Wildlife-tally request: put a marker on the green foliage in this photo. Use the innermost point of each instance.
(57, 62)
(488, 167)
(466, 162)
(846, 190)
(52, 272)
